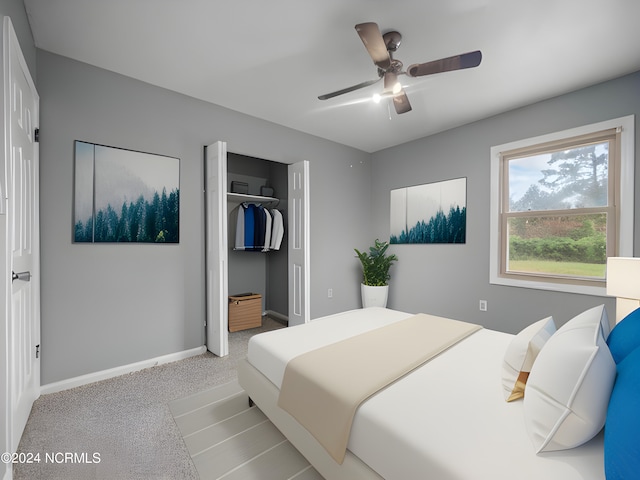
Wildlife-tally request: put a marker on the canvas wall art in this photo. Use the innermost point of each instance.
(430, 213)
(125, 196)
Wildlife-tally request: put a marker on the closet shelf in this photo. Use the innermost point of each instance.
(242, 198)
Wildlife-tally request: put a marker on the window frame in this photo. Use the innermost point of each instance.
(624, 195)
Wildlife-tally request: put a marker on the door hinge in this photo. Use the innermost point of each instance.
(36, 135)
(37, 351)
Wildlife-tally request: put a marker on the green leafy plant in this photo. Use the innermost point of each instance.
(376, 264)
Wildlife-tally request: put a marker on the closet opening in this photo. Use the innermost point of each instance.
(280, 276)
(257, 187)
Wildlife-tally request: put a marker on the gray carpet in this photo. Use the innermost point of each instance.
(230, 440)
(125, 420)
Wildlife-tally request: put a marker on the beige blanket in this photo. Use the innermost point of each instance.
(323, 388)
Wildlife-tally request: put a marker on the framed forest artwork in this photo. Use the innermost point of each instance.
(430, 213)
(124, 196)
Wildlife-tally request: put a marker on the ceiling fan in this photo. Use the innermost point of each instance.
(381, 49)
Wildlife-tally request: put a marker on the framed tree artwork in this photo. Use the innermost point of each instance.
(430, 213)
(124, 196)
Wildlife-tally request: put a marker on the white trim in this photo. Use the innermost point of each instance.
(277, 315)
(625, 235)
(117, 371)
(299, 248)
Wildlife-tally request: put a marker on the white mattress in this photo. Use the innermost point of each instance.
(446, 420)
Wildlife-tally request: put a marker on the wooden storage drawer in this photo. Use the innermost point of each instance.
(245, 311)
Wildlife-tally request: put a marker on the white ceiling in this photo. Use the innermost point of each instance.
(271, 59)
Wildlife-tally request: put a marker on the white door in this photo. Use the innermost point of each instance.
(299, 308)
(216, 245)
(22, 242)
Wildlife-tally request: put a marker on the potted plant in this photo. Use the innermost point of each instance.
(375, 274)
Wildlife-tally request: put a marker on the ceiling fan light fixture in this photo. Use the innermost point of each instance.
(381, 47)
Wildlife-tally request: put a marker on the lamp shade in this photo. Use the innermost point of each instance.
(623, 277)
(623, 282)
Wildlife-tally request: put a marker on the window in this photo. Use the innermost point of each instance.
(561, 204)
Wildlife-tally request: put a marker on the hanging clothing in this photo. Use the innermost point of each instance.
(249, 226)
(277, 230)
(239, 243)
(267, 231)
(257, 228)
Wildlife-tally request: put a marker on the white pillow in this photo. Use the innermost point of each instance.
(566, 397)
(520, 355)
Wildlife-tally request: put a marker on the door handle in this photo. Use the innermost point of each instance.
(26, 276)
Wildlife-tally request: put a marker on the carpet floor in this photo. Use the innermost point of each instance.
(125, 421)
(228, 439)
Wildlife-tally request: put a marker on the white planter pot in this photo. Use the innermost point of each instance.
(374, 296)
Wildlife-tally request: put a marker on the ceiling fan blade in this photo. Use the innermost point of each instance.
(326, 96)
(393, 88)
(457, 62)
(374, 43)
(401, 103)
(390, 81)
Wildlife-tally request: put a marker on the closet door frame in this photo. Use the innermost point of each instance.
(216, 249)
(216, 253)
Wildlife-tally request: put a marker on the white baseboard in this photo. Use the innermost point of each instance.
(277, 316)
(117, 371)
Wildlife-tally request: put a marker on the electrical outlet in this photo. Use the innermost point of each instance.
(330, 293)
(483, 305)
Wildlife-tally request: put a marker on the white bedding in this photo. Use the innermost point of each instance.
(446, 420)
(269, 352)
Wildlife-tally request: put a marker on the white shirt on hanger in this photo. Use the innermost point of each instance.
(277, 230)
(239, 245)
(267, 231)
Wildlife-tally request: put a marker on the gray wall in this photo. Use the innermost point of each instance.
(278, 261)
(105, 306)
(15, 10)
(450, 280)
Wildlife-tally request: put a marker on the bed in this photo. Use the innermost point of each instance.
(448, 418)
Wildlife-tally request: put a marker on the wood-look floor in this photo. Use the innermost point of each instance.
(228, 439)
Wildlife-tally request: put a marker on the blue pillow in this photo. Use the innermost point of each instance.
(622, 429)
(625, 336)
